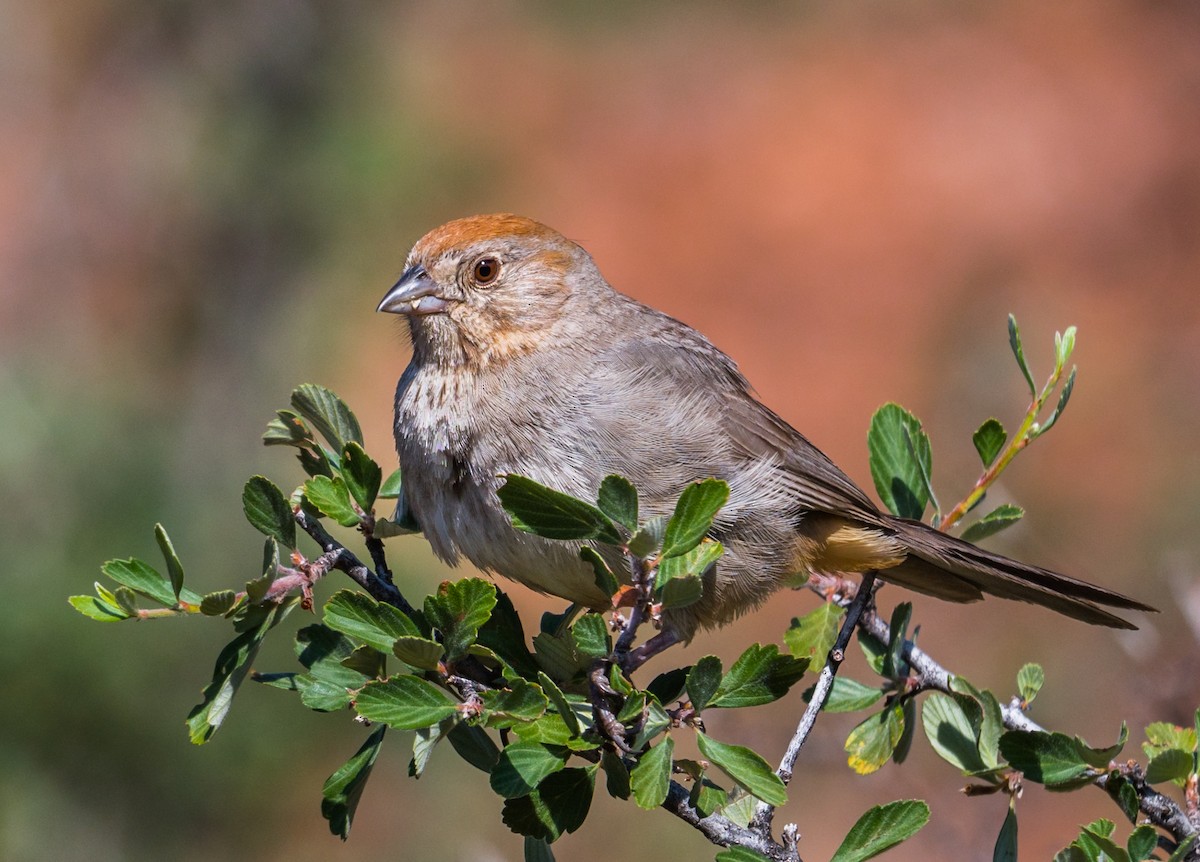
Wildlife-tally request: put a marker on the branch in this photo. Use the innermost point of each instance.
(723, 831)
(344, 560)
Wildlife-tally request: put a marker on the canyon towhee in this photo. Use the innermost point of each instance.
(526, 361)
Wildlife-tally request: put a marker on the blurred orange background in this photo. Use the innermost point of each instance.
(200, 205)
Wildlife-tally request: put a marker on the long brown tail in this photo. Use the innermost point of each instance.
(950, 568)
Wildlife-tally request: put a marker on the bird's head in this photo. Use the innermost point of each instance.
(486, 288)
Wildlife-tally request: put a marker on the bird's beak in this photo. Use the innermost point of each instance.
(414, 294)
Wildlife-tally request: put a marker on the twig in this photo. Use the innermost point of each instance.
(723, 831)
(763, 812)
(346, 561)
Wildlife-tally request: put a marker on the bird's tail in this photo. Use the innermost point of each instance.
(947, 567)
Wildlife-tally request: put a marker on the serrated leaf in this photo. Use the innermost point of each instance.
(361, 617)
(618, 499)
(404, 702)
(1102, 844)
(900, 459)
(703, 680)
(328, 414)
(361, 475)
(1169, 765)
(418, 652)
(697, 561)
(232, 665)
(559, 700)
(670, 685)
(332, 498)
(522, 767)
(989, 438)
(522, 701)
(591, 635)
(1048, 758)
(656, 721)
(1000, 518)
(1122, 792)
(812, 636)
(682, 591)
(650, 779)
(268, 511)
(606, 581)
(559, 657)
(693, 517)
(219, 603)
(649, 537)
(1142, 842)
(142, 579)
(390, 489)
(847, 695)
(560, 804)
(745, 767)
(951, 733)
(368, 661)
(1162, 735)
(760, 675)
(871, 743)
(174, 567)
(1014, 341)
(1030, 679)
(880, 828)
(458, 610)
(504, 634)
(98, 609)
(534, 508)
(343, 790)
(287, 429)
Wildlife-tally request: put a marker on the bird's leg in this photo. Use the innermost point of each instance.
(606, 703)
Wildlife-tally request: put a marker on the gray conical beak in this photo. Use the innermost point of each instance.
(415, 293)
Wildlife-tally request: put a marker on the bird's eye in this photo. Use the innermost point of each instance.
(485, 271)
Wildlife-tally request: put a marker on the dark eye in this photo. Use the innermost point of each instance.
(485, 271)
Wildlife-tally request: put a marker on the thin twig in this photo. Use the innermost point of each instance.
(763, 812)
(723, 831)
(347, 562)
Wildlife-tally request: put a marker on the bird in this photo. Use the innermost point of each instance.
(526, 361)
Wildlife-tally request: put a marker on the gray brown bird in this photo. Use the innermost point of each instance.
(526, 361)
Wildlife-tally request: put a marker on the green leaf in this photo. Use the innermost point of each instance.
(1162, 735)
(142, 579)
(881, 828)
(1100, 841)
(740, 854)
(951, 733)
(1099, 758)
(989, 438)
(760, 675)
(898, 462)
(418, 652)
(697, 561)
(847, 695)
(1122, 792)
(812, 636)
(703, 680)
(268, 511)
(605, 579)
(404, 702)
(656, 721)
(287, 429)
(1184, 848)
(361, 617)
(523, 765)
(560, 804)
(1014, 341)
(894, 665)
(1142, 842)
(536, 509)
(1030, 679)
(390, 489)
(474, 746)
(669, 686)
(745, 767)
(682, 591)
(174, 567)
(873, 651)
(559, 657)
(649, 537)
(1064, 346)
(230, 670)
(328, 414)
(219, 603)
(650, 779)
(1006, 842)
(96, 608)
(537, 850)
(315, 461)
(521, 701)
(1170, 765)
(361, 475)
(343, 789)
(425, 740)
(1063, 397)
(556, 697)
(332, 498)
(871, 743)
(458, 610)
(591, 635)
(618, 499)
(616, 775)
(909, 723)
(693, 518)
(505, 635)
(1048, 758)
(1000, 518)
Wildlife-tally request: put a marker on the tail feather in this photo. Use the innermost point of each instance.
(962, 566)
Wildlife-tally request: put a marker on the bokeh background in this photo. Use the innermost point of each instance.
(201, 203)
